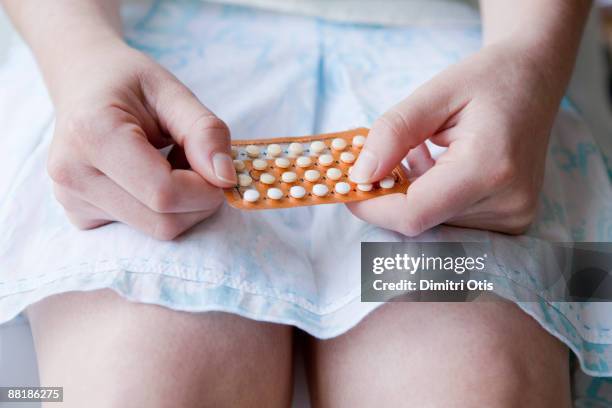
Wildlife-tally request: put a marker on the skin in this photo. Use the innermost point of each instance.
(460, 355)
(493, 111)
(115, 107)
(108, 352)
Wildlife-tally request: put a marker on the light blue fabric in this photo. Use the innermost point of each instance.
(272, 75)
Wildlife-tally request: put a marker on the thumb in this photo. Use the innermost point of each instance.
(204, 137)
(402, 128)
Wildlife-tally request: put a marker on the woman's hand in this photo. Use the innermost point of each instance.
(115, 107)
(494, 112)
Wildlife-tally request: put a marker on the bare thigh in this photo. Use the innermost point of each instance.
(480, 354)
(108, 352)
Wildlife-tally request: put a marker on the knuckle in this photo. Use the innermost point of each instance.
(61, 172)
(208, 122)
(84, 224)
(393, 122)
(162, 198)
(212, 127)
(412, 226)
(504, 173)
(166, 228)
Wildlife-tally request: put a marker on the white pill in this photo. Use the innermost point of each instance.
(338, 144)
(347, 157)
(282, 162)
(289, 177)
(267, 178)
(365, 187)
(320, 190)
(303, 161)
(317, 147)
(259, 164)
(359, 141)
(275, 193)
(312, 175)
(244, 180)
(239, 165)
(274, 150)
(297, 192)
(251, 196)
(334, 174)
(387, 182)
(252, 151)
(295, 149)
(234, 152)
(326, 160)
(342, 188)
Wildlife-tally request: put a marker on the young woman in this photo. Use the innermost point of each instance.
(93, 297)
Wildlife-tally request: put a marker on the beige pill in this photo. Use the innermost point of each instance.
(274, 150)
(349, 170)
(334, 174)
(303, 161)
(342, 188)
(250, 196)
(338, 144)
(387, 182)
(259, 164)
(267, 178)
(347, 157)
(275, 193)
(282, 162)
(365, 187)
(326, 160)
(312, 175)
(295, 149)
(239, 165)
(289, 177)
(234, 152)
(320, 190)
(317, 147)
(359, 141)
(244, 180)
(252, 151)
(297, 192)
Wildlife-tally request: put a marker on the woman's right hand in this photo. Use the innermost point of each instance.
(115, 108)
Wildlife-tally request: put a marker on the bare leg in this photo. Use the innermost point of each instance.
(481, 354)
(108, 352)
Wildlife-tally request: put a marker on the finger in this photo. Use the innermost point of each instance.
(441, 193)
(204, 137)
(80, 213)
(121, 206)
(404, 127)
(134, 164)
(419, 160)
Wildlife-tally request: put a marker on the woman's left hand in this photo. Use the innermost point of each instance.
(494, 112)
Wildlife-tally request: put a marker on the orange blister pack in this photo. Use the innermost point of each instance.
(300, 171)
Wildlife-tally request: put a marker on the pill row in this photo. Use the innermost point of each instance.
(295, 149)
(334, 174)
(318, 190)
(324, 160)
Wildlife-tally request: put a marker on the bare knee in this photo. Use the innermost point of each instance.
(463, 355)
(108, 352)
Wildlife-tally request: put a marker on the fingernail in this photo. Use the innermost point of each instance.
(364, 169)
(224, 168)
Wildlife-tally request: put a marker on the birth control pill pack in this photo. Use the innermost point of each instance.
(301, 171)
